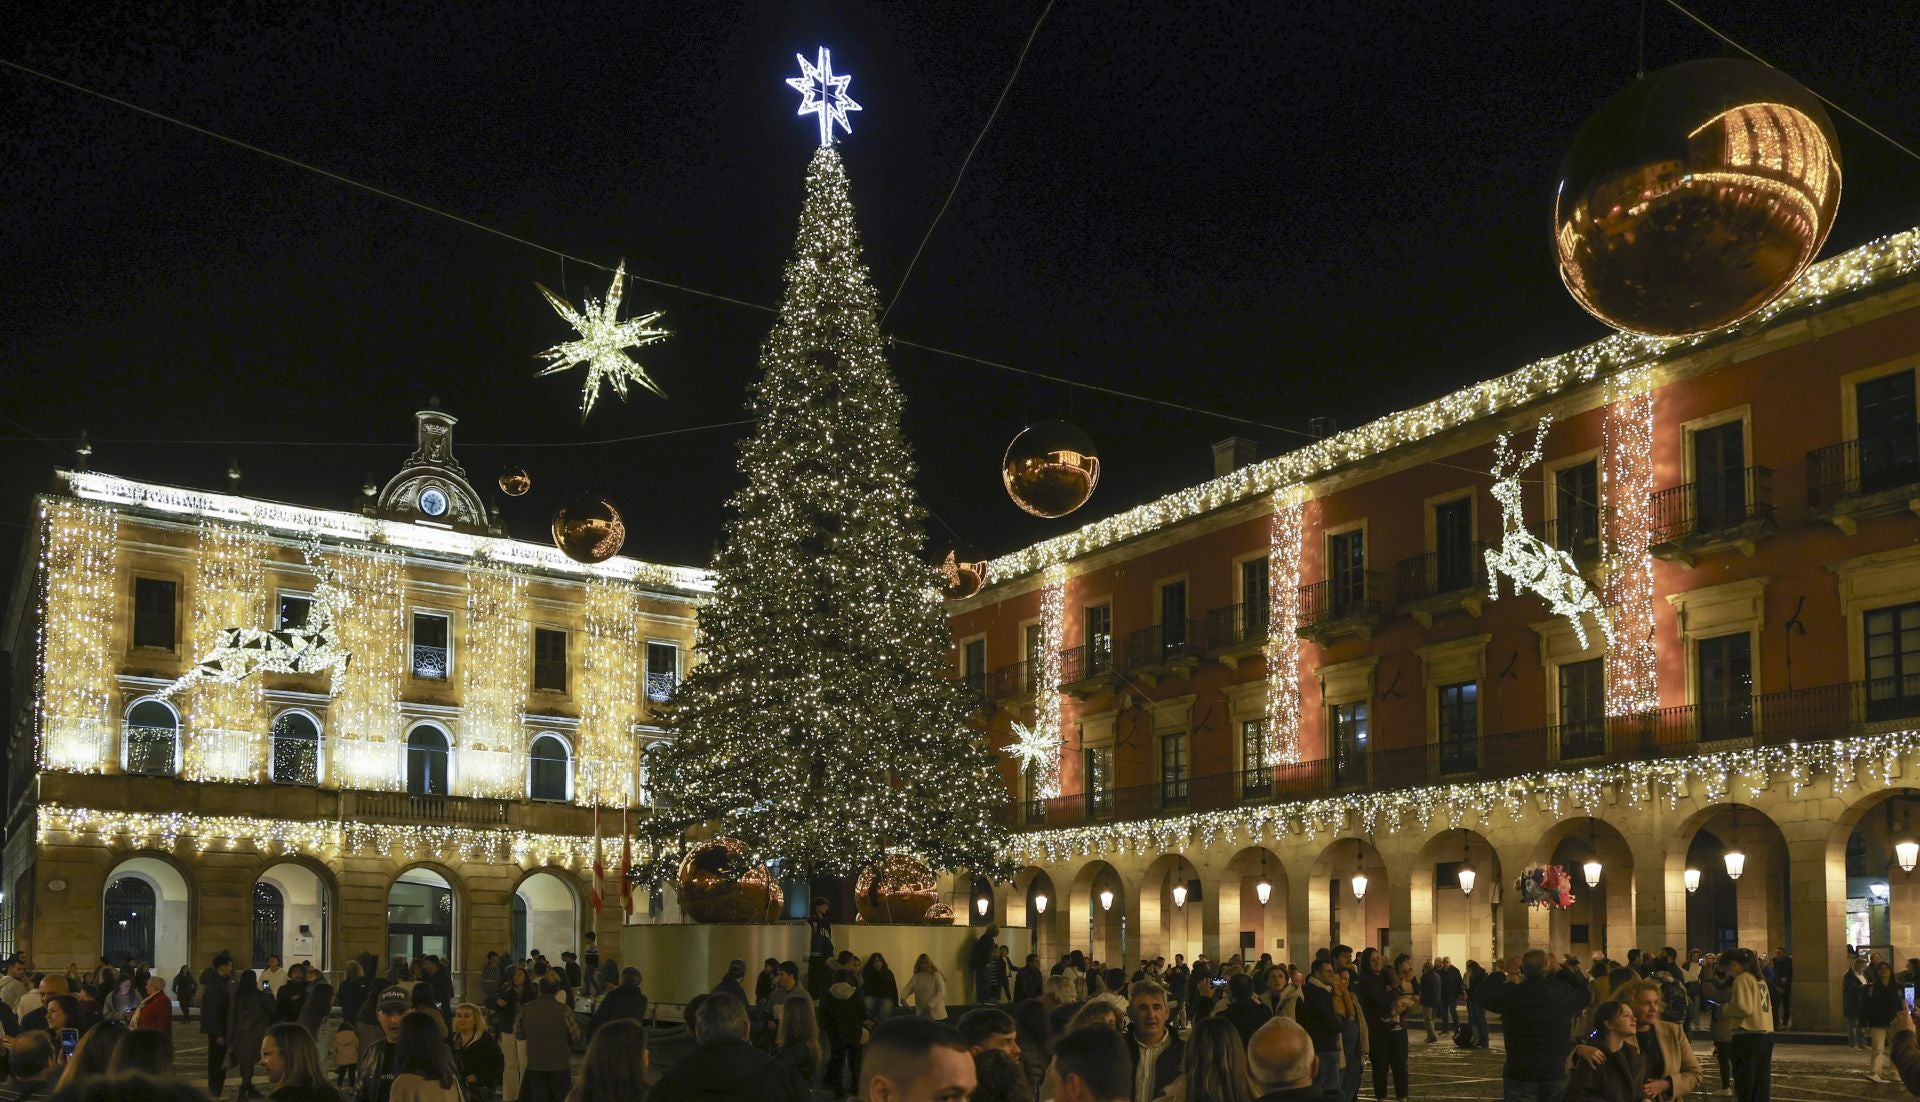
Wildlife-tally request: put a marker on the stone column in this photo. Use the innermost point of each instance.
(1818, 868)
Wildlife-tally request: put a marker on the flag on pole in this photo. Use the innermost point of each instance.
(599, 869)
(626, 866)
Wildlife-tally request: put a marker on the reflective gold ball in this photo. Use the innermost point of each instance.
(901, 892)
(716, 885)
(1050, 469)
(1695, 197)
(515, 481)
(589, 529)
(938, 915)
(960, 580)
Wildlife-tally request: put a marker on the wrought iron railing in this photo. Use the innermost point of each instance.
(1856, 468)
(1163, 643)
(430, 663)
(1441, 572)
(1235, 624)
(151, 751)
(1325, 603)
(1086, 661)
(411, 807)
(1708, 506)
(1576, 534)
(1017, 679)
(660, 686)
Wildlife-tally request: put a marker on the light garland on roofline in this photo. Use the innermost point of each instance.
(1559, 794)
(1888, 258)
(325, 839)
(1283, 622)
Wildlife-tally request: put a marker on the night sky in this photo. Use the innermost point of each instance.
(1280, 210)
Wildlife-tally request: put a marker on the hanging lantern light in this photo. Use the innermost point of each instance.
(1106, 899)
(1040, 903)
(1736, 863)
(1467, 877)
(1592, 871)
(1179, 895)
(981, 904)
(1907, 852)
(1692, 879)
(1359, 885)
(1263, 891)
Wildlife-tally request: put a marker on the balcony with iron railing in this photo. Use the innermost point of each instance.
(151, 751)
(411, 807)
(1740, 722)
(1709, 515)
(661, 685)
(1089, 668)
(1014, 683)
(1235, 632)
(1352, 604)
(1855, 479)
(1443, 581)
(1171, 649)
(1577, 535)
(429, 663)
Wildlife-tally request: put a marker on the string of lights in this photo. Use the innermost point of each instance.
(1626, 492)
(1285, 538)
(610, 695)
(1046, 706)
(492, 736)
(226, 720)
(367, 751)
(78, 546)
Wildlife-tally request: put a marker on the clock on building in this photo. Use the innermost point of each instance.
(433, 502)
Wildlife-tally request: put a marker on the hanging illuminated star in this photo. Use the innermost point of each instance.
(603, 342)
(1037, 751)
(825, 94)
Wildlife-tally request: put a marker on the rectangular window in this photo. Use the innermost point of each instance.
(1099, 765)
(1459, 726)
(1893, 661)
(1256, 599)
(663, 671)
(973, 664)
(153, 606)
(294, 610)
(1173, 619)
(1726, 686)
(1583, 708)
(1884, 412)
(1256, 742)
(432, 645)
(550, 659)
(1099, 639)
(1453, 554)
(1719, 476)
(1173, 770)
(1347, 571)
(1348, 728)
(1576, 509)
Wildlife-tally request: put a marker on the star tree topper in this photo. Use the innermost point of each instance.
(824, 94)
(603, 342)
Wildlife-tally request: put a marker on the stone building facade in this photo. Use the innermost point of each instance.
(1295, 707)
(440, 791)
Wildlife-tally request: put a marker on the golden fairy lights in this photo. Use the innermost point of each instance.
(226, 720)
(364, 728)
(78, 544)
(1626, 492)
(1888, 258)
(609, 695)
(1053, 615)
(1283, 621)
(1712, 777)
(494, 664)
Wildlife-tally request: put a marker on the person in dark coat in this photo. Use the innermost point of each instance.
(624, 1001)
(353, 990)
(979, 957)
(1028, 983)
(1536, 1014)
(319, 1004)
(216, 1004)
(476, 1054)
(248, 1017)
(724, 1065)
(845, 1012)
(1243, 1010)
(1432, 990)
(1450, 984)
(730, 983)
(292, 996)
(1324, 1024)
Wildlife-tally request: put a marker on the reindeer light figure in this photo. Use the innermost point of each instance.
(1526, 559)
(311, 648)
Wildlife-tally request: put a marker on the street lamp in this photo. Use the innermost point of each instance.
(1263, 890)
(1736, 863)
(1466, 874)
(1179, 895)
(1040, 903)
(1359, 872)
(1692, 879)
(981, 904)
(1592, 867)
(1907, 852)
(1106, 899)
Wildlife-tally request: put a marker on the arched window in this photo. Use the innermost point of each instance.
(128, 916)
(547, 769)
(269, 912)
(152, 739)
(649, 773)
(427, 753)
(295, 754)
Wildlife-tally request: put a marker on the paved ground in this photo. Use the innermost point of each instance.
(1440, 1072)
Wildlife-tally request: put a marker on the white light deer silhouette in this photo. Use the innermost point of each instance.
(1526, 558)
(311, 648)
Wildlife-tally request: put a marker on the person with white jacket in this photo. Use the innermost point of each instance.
(927, 990)
(1750, 1009)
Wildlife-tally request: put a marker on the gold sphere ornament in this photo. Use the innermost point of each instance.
(961, 580)
(1695, 196)
(901, 891)
(938, 915)
(1050, 469)
(515, 481)
(589, 529)
(717, 885)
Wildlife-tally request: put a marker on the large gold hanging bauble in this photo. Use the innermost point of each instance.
(589, 529)
(961, 579)
(902, 893)
(515, 481)
(1695, 196)
(708, 893)
(1050, 468)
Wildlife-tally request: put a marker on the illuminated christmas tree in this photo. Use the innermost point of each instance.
(824, 726)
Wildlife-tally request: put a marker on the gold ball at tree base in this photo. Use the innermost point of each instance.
(902, 893)
(709, 891)
(1695, 196)
(515, 481)
(1050, 469)
(589, 529)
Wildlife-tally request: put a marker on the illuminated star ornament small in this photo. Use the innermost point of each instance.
(824, 94)
(603, 342)
(1037, 752)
